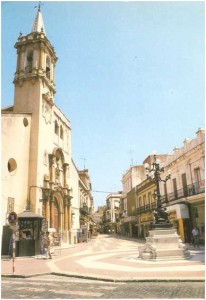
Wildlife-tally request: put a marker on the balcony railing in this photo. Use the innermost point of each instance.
(188, 191)
(84, 209)
(146, 208)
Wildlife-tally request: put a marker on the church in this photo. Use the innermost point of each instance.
(39, 177)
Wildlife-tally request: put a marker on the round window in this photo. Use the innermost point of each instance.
(12, 165)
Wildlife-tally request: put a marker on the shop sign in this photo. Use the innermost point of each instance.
(146, 218)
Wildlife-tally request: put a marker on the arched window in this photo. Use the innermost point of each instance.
(61, 133)
(140, 202)
(67, 138)
(29, 61)
(48, 67)
(45, 158)
(56, 128)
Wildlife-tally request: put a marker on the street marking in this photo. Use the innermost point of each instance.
(31, 289)
(79, 293)
(93, 263)
(63, 292)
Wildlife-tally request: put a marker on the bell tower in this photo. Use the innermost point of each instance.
(34, 94)
(34, 74)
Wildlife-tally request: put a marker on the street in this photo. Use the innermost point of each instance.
(60, 287)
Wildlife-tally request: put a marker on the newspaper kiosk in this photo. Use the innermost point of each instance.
(29, 236)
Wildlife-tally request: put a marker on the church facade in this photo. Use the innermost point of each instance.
(38, 173)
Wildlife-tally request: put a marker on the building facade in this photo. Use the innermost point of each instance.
(86, 203)
(130, 179)
(112, 212)
(146, 202)
(98, 219)
(184, 194)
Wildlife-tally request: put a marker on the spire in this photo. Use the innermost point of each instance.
(38, 25)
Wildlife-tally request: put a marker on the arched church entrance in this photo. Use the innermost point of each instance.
(57, 212)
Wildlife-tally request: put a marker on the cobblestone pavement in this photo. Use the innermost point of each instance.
(60, 287)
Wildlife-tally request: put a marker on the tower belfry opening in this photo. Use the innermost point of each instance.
(28, 68)
(36, 61)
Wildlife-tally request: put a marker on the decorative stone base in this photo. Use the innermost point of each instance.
(163, 244)
(161, 226)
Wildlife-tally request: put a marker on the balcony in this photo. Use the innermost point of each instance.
(189, 190)
(84, 210)
(145, 208)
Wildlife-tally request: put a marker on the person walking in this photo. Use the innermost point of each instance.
(195, 235)
(47, 244)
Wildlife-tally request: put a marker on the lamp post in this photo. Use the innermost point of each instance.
(154, 174)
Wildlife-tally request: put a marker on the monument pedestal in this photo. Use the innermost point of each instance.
(163, 243)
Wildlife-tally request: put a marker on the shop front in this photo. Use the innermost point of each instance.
(131, 225)
(179, 216)
(144, 224)
(198, 218)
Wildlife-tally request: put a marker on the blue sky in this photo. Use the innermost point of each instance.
(130, 77)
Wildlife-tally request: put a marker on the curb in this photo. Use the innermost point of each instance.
(106, 279)
(24, 276)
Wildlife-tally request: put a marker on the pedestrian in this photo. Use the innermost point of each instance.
(47, 245)
(42, 250)
(195, 235)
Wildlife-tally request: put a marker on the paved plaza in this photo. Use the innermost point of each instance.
(109, 258)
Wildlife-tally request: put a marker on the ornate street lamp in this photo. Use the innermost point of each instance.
(153, 174)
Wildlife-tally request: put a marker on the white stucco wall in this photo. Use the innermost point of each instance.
(15, 141)
(185, 160)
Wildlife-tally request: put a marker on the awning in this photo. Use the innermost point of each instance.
(52, 230)
(130, 219)
(181, 210)
(27, 214)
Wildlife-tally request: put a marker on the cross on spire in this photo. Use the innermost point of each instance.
(38, 25)
(39, 6)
